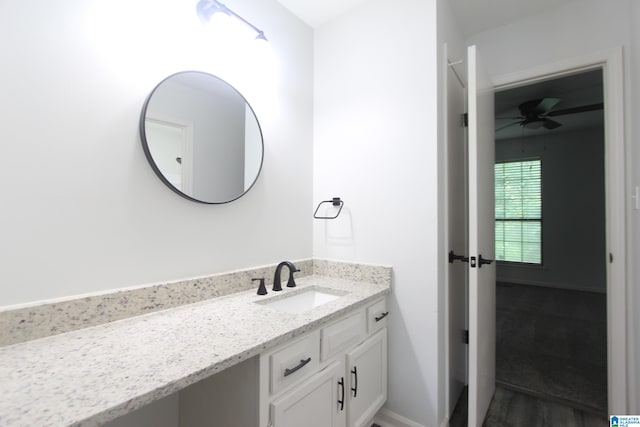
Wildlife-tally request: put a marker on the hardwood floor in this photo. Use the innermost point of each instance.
(514, 409)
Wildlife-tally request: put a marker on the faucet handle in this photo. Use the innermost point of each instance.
(262, 290)
(292, 283)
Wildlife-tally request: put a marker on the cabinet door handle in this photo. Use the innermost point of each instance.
(354, 389)
(341, 401)
(382, 316)
(303, 362)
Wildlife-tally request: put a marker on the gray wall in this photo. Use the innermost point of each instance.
(573, 230)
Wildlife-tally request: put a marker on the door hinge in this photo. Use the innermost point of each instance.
(465, 336)
(464, 119)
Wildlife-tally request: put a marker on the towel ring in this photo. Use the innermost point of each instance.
(335, 202)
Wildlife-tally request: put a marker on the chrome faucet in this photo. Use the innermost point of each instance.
(277, 286)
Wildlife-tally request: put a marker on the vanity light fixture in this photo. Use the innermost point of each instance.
(207, 8)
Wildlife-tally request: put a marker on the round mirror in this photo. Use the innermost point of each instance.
(201, 137)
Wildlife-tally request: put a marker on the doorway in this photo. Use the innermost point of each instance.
(550, 241)
(172, 150)
(610, 62)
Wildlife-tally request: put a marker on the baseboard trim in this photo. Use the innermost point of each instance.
(387, 418)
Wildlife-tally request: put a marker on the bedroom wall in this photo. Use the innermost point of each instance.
(573, 218)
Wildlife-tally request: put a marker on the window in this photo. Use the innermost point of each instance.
(518, 198)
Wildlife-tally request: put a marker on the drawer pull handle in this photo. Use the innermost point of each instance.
(354, 389)
(382, 316)
(341, 401)
(303, 362)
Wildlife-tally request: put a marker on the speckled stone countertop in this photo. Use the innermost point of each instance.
(89, 376)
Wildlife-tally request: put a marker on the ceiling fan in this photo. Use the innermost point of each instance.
(535, 113)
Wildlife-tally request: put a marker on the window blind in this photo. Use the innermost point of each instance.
(518, 213)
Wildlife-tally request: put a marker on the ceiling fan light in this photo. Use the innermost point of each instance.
(533, 124)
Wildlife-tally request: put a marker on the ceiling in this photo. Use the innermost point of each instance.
(318, 12)
(473, 16)
(574, 91)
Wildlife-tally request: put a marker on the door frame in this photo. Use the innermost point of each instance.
(187, 146)
(611, 63)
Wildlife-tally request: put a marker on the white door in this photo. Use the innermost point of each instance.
(170, 142)
(367, 385)
(317, 402)
(482, 277)
(165, 142)
(456, 195)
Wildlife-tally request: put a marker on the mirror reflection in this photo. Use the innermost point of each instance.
(201, 137)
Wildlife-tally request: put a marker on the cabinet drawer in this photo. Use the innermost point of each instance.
(341, 335)
(314, 402)
(294, 362)
(377, 316)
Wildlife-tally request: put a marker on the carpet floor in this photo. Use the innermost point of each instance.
(551, 343)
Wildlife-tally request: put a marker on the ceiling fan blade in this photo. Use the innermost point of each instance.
(550, 124)
(527, 108)
(506, 126)
(546, 105)
(574, 110)
(537, 107)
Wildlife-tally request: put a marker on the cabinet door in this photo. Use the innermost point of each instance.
(315, 402)
(367, 374)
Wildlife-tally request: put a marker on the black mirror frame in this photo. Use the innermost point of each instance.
(154, 166)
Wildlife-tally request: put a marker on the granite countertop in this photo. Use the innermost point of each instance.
(93, 375)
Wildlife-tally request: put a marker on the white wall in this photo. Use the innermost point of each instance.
(573, 232)
(633, 160)
(375, 145)
(451, 363)
(82, 211)
(571, 30)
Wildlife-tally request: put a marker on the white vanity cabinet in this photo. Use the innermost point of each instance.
(335, 376)
(367, 373)
(332, 376)
(313, 403)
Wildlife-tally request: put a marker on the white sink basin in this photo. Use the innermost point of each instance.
(301, 301)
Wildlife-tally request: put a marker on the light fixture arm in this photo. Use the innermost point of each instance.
(206, 9)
